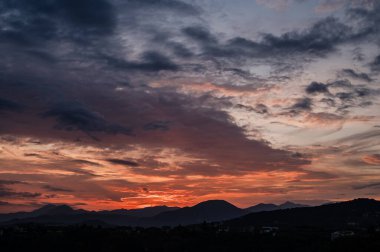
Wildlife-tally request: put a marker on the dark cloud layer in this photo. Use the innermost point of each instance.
(29, 22)
(76, 117)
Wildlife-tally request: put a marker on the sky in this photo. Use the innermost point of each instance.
(109, 104)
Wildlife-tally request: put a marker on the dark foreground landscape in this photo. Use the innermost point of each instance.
(204, 237)
(346, 226)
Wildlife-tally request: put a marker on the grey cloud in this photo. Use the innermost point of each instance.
(355, 75)
(342, 94)
(302, 104)
(200, 34)
(319, 39)
(150, 61)
(375, 64)
(316, 87)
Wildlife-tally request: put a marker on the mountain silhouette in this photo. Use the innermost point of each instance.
(356, 212)
(66, 215)
(51, 209)
(271, 207)
(141, 212)
(289, 204)
(261, 207)
(211, 210)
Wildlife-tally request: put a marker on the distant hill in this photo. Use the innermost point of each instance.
(49, 209)
(64, 215)
(141, 212)
(212, 210)
(356, 212)
(261, 208)
(271, 207)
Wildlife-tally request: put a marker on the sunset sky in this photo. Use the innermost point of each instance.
(110, 104)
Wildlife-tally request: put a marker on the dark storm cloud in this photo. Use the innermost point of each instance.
(316, 87)
(71, 116)
(30, 22)
(123, 162)
(355, 75)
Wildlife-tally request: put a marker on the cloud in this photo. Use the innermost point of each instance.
(9, 182)
(316, 87)
(172, 5)
(373, 159)
(151, 61)
(318, 40)
(5, 203)
(277, 4)
(42, 19)
(71, 116)
(56, 189)
(334, 5)
(375, 64)
(365, 186)
(123, 162)
(355, 75)
(157, 125)
(342, 94)
(157, 83)
(200, 34)
(302, 104)
(9, 194)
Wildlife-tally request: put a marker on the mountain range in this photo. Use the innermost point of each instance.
(212, 210)
(354, 213)
(362, 211)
